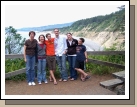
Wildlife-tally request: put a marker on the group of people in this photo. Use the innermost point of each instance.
(48, 51)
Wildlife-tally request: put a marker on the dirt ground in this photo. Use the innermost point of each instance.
(77, 87)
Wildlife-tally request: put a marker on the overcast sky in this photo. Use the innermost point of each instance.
(34, 15)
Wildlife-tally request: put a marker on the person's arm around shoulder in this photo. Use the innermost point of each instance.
(45, 42)
(53, 39)
(36, 52)
(85, 54)
(65, 45)
(25, 46)
(76, 42)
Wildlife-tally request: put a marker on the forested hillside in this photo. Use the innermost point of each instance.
(106, 30)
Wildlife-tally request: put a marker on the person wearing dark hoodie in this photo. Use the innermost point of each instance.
(71, 54)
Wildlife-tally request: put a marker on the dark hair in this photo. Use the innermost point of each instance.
(56, 29)
(82, 39)
(41, 35)
(69, 33)
(32, 32)
(47, 34)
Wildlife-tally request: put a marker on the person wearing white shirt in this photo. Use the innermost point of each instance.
(60, 52)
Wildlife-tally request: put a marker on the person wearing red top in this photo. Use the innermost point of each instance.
(51, 59)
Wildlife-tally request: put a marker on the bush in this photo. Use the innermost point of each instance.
(11, 65)
(101, 69)
(14, 64)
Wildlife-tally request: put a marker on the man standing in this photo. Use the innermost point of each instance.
(60, 52)
(51, 59)
(71, 53)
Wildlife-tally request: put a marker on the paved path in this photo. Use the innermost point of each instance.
(77, 87)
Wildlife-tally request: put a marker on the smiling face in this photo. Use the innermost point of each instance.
(69, 36)
(32, 35)
(41, 38)
(80, 42)
(56, 32)
(49, 37)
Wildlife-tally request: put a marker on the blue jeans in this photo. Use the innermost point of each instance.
(61, 60)
(30, 68)
(41, 73)
(71, 61)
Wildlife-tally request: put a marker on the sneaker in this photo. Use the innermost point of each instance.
(33, 83)
(72, 79)
(60, 79)
(65, 80)
(46, 82)
(29, 83)
(39, 82)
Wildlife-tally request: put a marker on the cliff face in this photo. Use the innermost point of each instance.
(108, 30)
(105, 39)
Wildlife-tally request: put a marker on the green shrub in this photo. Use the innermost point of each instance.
(15, 64)
(19, 77)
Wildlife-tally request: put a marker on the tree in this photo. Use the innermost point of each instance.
(13, 41)
(122, 7)
(122, 24)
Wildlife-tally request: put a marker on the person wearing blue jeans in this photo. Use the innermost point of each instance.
(41, 48)
(29, 57)
(73, 72)
(60, 52)
(61, 60)
(71, 53)
(30, 68)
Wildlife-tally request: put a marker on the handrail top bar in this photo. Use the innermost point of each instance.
(13, 56)
(87, 52)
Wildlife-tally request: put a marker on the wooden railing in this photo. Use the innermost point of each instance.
(20, 71)
(105, 62)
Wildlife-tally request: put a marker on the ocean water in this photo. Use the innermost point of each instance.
(90, 45)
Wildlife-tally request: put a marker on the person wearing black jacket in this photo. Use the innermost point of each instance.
(71, 53)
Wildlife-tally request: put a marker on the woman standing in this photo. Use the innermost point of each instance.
(29, 57)
(41, 47)
(71, 53)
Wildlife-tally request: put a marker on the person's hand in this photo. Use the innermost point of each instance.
(86, 60)
(25, 59)
(65, 52)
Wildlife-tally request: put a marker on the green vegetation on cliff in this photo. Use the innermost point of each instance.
(111, 23)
